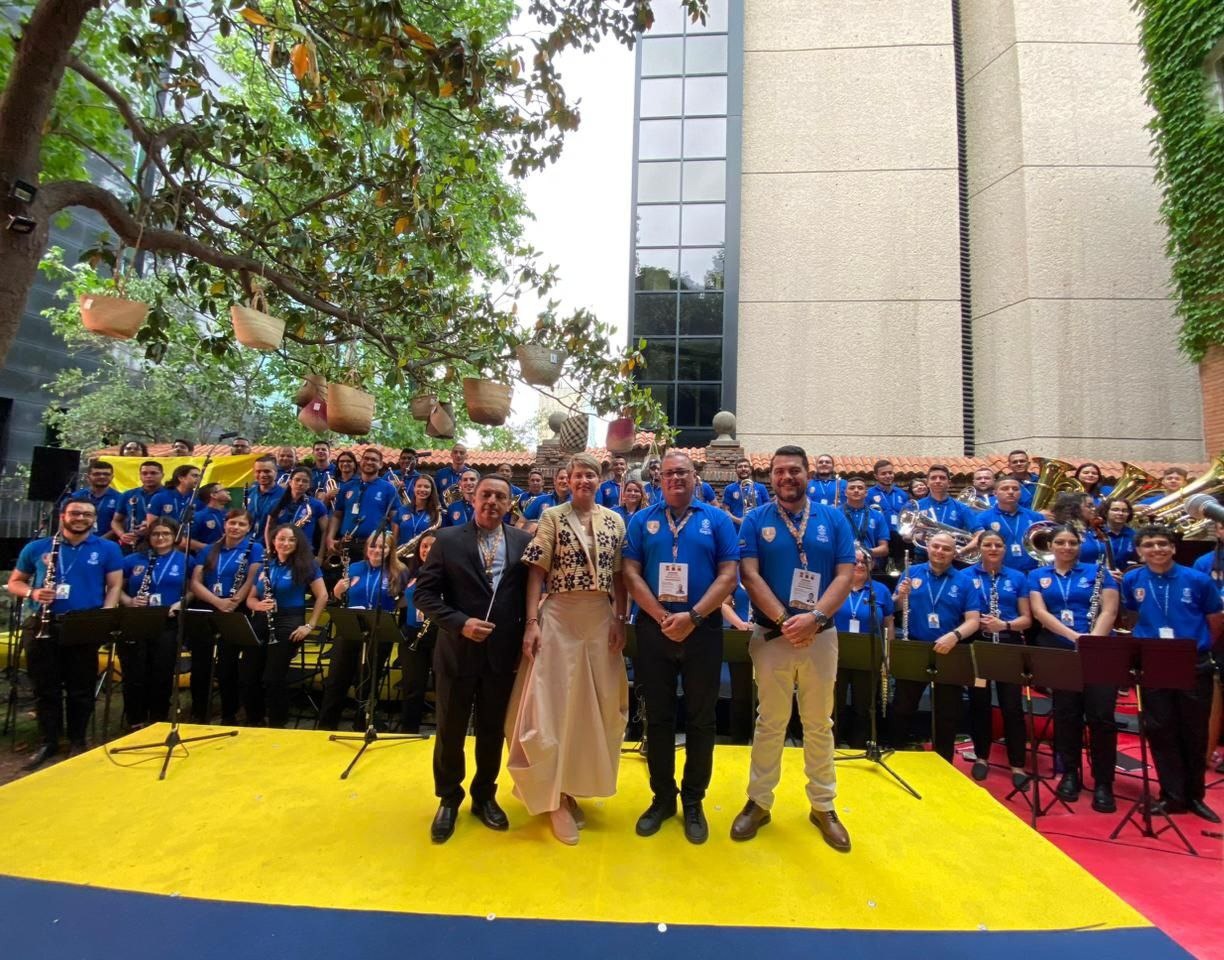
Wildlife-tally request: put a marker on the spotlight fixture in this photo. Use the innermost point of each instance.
(25, 192)
(20, 224)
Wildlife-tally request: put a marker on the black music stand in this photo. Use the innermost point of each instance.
(135, 624)
(1047, 667)
(220, 629)
(369, 629)
(917, 660)
(1141, 661)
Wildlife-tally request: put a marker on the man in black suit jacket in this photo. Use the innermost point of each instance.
(474, 587)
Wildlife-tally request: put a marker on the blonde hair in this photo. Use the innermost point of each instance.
(584, 460)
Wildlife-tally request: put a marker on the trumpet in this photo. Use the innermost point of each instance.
(916, 527)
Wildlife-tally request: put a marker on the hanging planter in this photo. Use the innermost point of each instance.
(112, 316)
(313, 415)
(487, 401)
(254, 327)
(314, 387)
(621, 435)
(573, 433)
(422, 405)
(441, 421)
(349, 410)
(540, 365)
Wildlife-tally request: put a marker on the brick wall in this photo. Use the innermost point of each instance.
(1211, 378)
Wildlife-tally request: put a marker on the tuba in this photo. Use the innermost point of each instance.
(1134, 484)
(1171, 508)
(916, 527)
(1056, 476)
(1036, 541)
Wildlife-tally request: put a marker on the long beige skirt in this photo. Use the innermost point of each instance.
(569, 707)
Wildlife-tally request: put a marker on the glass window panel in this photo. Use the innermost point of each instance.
(704, 224)
(702, 268)
(658, 226)
(701, 360)
(661, 98)
(669, 17)
(665, 396)
(654, 314)
(701, 313)
(702, 96)
(656, 270)
(659, 181)
(696, 437)
(705, 55)
(704, 138)
(660, 357)
(660, 139)
(703, 180)
(663, 56)
(716, 18)
(696, 404)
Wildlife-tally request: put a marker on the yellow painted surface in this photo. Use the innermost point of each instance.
(263, 817)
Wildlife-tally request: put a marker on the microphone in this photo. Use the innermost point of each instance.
(1203, 506)
(227, 436)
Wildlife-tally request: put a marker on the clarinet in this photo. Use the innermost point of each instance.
(44, 616)
(146, 582)
(268, 595)
(1094, 604)
(885, 658)
(905, 609)
(994, 603)
(241, 571)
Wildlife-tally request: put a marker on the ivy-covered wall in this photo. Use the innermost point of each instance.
(1178, 36)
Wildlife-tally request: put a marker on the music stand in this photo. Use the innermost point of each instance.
(370, 630)
(216, 627)
(1047, 667)
(135, 624)
(1138, 662)
(917, 660)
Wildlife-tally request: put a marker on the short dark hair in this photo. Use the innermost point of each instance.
(880, 465)
(408, 450)
(491, 476)
(1023, 453)
(373, 449)
(265, 458)
(535, 471)
(187, 443)
(1179, 471)
(789, 450)
(321, 443)
(939, 468)
(100, 465)
(153, 463)
(856, 479)
(1153, 531)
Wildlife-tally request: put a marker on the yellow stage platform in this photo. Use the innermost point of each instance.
(263, 819)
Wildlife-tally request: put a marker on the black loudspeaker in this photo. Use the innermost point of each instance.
(51, 470)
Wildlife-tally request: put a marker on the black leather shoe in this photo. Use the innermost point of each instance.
(980, 769)
(1200, 809)
(41, 756)
(696, 830)
(659, 810)
(1069, 786)
(1103, 798)
(490, 814)
(443, 823)
(1020, 780)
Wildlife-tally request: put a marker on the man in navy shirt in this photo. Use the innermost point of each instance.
(680, 563)
(535, 488)
(130, 516)
(361, 505)
(88, 574)
(261, 497)
(941, 507)
(869, 526)
(461, 511)
(1018, 468)
(797, 564)
(744, 494)
(1010, 521)
(826, 488)
(406, 469)
(447, 477)
(286, 460)
(609, 491)
(892, 500)
(102, 495)
(983, 487)
(1172, 601)
(323, 472)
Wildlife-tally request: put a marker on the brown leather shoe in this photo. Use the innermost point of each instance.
(831, 829)
(749, 820)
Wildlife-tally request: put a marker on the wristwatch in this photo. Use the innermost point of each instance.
(822, 620)
(698, 618)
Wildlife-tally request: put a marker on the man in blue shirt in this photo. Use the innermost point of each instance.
(1173, 601)
(537, 506)
(680, 563)
(797, 564)
(941, 507)
(744, 494)
(406, 470)
(869, 526)
(286, 460)
(208, 523)
(609, 491)
(1010, 521)
(826, 487)
(1212, 562)
(535, 488)
(1018, 468)
(892, 500)
(87, 574)
(944, 609)
(447, 477)
(983, 489)
(102, 495)
(129, 520)
(461, 511)
(261, 497)
(361, 505)
(322, 472)
(652, 483)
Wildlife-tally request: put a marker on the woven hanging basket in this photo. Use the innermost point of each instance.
(112, 316)
(541, 365)
(620, 435)
(441, 421)
(487, 401)
(314, 387)
(254, 327)
(349, 410)
(421, 405)
(573, 433)
(313, 415)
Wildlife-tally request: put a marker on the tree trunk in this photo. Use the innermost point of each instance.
(25, 105)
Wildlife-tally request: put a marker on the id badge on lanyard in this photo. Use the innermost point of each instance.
(63, 591)
(805, 589)
(1067, 617)
(673, 582)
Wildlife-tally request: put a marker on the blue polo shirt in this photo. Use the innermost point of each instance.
(948, 511)
(320, 475)
(165, 575)
(892, 502)
(1122, 546)
(1070, 592)
(734, 500)
(1207, 564)
(608, 494)
(134, 506)
(827, 542)
(219, 579)
(260, 504)
(1011, 586)
(1012, 528)
(82, 567)
(369, 588)
(626, 515)
(1090, 549)
(445, 478)
(869, 526)
(293, 512)
(535, 509)
(1180, 599)
(412, 522)
(826, 491)
(1027, 488)
(651, 493)
(858, 608)
(208, 525)
(705, 493)
(363, 504)
(289, 595)
(106, 505)
(457, 514)
(949, 596)
(705, 541)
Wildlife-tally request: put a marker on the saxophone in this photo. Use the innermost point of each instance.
(304, 518)
(241, 571)
(266, 583)
(44, 615)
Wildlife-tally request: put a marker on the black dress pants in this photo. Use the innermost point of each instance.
(264, 670)
(343, 671)
(697, 663)
(56, 671)
(209, 660)
(148, 673)
(946, 703)
(489, 695)
(1096, 705)
(1176, 722)
(1011, 706)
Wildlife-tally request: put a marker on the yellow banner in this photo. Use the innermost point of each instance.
(232, 471)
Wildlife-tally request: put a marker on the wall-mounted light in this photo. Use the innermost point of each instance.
(25, 192)
(20, 224)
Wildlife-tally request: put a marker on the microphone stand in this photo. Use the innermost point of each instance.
(873, 751)
(370, 668)
(174, 738)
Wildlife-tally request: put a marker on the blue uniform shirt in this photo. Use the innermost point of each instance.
(82, 568)
(826, 491)
(260, 504)
(411, 523)
(706, 540)
(1122, 546)
(892, 502)
(106, 505)
(827, 542)
(1012, 528)
(535, 509)
(651, 493)
(289, 595)
(369, 588)
(869, 526)
(948, 596)
(293, 512)
(1011, 586)
(626, 515)
(134, 506)
(1070, 592)
(445, 478)
(1207, 564)
(208, 525)
(320, 475)
(608, 494)
(220, 578)
(854, 616)
(704, 492)
(165, 575)
(1179, 600)
(457, 514)
(739, 603)
(412, 616)
(734, 498)
(364, 504)
(1090, 549)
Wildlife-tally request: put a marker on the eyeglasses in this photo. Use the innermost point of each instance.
(160, 533)
(676, 474)
(79, 514)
